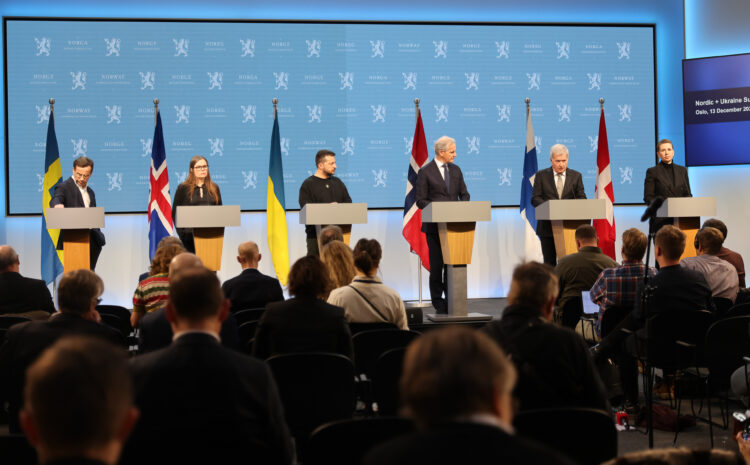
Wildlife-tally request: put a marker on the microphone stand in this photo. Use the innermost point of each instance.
(646, 295)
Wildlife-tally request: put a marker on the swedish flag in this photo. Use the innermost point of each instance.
(52, 259)
(278, 241)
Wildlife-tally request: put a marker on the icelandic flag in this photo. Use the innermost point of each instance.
(159, 201)
(605, 227)
(52, 259)
(278, 241)
(412, 229)
(532, 244)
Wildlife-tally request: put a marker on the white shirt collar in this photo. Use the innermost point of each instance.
(179, 334)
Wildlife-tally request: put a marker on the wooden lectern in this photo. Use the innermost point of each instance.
(566, 216)
(687, 212)
(208, 222)
(75, 225)
(456, 222)
(342, 214)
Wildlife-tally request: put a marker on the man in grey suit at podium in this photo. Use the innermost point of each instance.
(439, 181)
(555, 182)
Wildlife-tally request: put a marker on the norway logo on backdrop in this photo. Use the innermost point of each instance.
(347, 80)
(378, 48)
(503, 113)
(563, 50)
(534, 80)
(441, 113)
(115, 181)
(593, 144)
(113, 46)
(79, 79)
(314, 113)
(472, 81)
(215, 80)
(43, 46)
(182, 113)
(347, 145)
(378, 113)
(625, 111)
(42, 113)
(472, 144)
(181, 47)
(282, 80)
(504, 176)
(380, 177)
(114, 113)
(251, 179)
(441, 48)
(285, 146)
(313, 48)
(623, 49)
(248, 113)
(563, 112)
(148, 79)
(410, 80)
(248, 48)
(595, 81)
(80, 147)
(503, 49)
(217, 146)
(146, 147)
(408, 143)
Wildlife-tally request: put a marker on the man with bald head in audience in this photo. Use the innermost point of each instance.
(251, 288)
(19, 295)
(201, 402)
(155, 331)
(78, 406)
(78, 294)
(332, 232)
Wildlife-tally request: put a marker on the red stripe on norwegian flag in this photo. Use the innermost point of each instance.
(412, 230)
(605, 227)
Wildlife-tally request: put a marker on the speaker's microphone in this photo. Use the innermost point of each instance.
(651, 210)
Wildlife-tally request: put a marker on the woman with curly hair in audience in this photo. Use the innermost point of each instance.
(152, 293)
(340, 262)
(366, 299)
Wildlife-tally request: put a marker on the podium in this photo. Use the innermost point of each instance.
(687, 212)
(208, 222)
(456, 222)
(342, 214)
(75, 225)
(565, 216)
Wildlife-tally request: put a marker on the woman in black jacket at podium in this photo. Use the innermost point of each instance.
(198, 189)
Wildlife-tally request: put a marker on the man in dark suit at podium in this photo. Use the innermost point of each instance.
(439, 181)
(555, 182)
(666, 179)
(74, 192)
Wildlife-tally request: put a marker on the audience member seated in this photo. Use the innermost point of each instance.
(720, 274)
(330, 233)
(304, 323)
(577, 272)
(201, 402)
(77, 295)
(339, 260)
(617, 287)
(21, 296)
(156, 332)
(251, 288)
(152, 293)
(367, 299)
(675, 289)
(726, 254)
(553, 363)
(169, 240)
(457, 386)
(79, 403)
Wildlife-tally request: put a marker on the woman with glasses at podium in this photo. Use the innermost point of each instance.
(198, 189)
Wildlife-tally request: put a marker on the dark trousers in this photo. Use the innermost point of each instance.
(312, 247)
(437, 273)
(548, 250)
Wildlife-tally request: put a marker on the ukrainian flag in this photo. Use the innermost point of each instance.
(52, 259)
(278, 241)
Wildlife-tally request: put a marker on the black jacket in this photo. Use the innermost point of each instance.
(252, 289)
(546, 189)
(431, 188)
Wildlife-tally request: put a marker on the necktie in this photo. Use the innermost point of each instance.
(559, 185)
(447, 177)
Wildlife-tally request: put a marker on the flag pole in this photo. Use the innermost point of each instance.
(156, 109)
(275, 110)
(52, 115)
(419, 259)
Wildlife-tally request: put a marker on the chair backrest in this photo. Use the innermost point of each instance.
(589, 436)
(369, 345)
(246, 333)
(738, 310)
(7, 321)
(117, 323)
(572, 311)
(722, 304)
(361, 327)
(385, 380)
(15, 449)
(612, 317)
(315, 388)
(665, 328)
(121, 312)
(346, 442)
(249, 314)
(727, 341)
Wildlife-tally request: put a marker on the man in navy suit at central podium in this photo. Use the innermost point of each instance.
(439, 181)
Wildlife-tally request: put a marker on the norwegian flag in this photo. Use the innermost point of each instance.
(605, 227)
(159, 201)
(412, 230)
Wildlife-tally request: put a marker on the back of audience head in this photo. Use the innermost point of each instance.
(163, 257)
(183, 261)
(634, 244)
(454, 373)
(8, 259)
(195, 296)
(331, 233)
(78, 293)
(339, 259)
(168, 240)
(534, 285)
(671, 241)
(367, 255)
(78, 401)
(718, 224)
(679, 456)
(709, 240)
(248, 254)
(309, 279)
(585, 235)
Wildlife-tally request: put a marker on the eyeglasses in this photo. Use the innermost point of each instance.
(98, 300)
(200, 167)
(81, 176)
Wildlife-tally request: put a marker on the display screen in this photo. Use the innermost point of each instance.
(347, 87)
